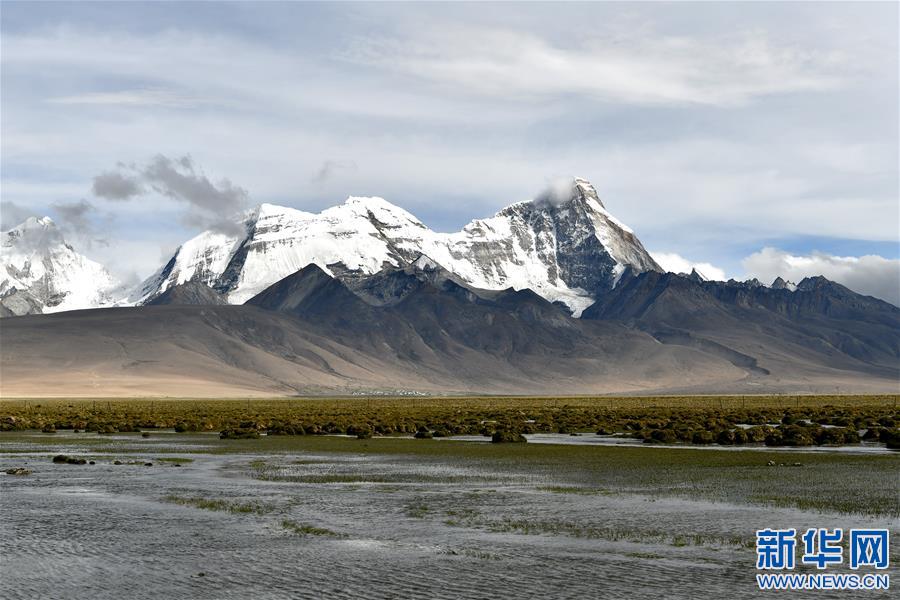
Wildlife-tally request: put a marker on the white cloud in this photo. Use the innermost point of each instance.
(645, 69)
(742, 190)
(454, 120)
(186, 69)
(675, 263)
(871, 275)
(138, 97)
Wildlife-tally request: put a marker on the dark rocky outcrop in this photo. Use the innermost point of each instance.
(191, 292)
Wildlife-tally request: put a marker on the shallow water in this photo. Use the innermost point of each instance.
(620, 440)
(403, 527)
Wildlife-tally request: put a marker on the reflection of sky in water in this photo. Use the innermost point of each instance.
(618, 440)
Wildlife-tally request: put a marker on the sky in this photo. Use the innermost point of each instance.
(746, 139)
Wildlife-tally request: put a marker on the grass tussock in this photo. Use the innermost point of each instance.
(307, 529)
(220, 505)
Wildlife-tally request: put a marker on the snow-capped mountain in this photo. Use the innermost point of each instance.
(42, 273)
(564, 245)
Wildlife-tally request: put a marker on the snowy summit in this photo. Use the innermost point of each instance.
(563, 245)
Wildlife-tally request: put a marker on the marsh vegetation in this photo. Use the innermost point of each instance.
(306, 529)
(219, 504)
(728, 420)
(468, 518)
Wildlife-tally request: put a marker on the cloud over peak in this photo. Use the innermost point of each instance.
(210, 205)
(871, 275)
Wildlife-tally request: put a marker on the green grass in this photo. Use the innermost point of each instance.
(220, 505)
(307, 529)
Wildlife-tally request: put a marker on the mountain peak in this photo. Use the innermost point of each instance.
(34, 224)
(586, 189)
(577, 197)
(38, 223)
(781, 284)
(370, 202)
(384, 211)
(34, 234)
(42, 273)
(269, 211)
(567, 191)
(818, 282)
(695, 275)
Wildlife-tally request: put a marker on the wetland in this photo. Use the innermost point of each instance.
(155, 513)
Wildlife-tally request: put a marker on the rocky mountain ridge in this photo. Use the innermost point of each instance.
(42, 273)
(565, 246)
(419, 329)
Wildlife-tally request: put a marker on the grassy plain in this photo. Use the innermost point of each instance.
(726, 420)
